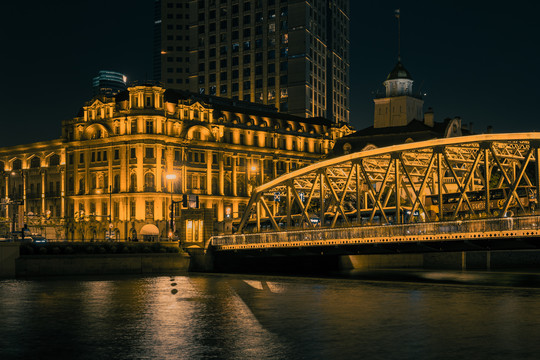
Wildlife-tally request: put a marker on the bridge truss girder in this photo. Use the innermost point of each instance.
(443, 179)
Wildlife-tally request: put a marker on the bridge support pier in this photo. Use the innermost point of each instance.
(464, 260)
(386, 261)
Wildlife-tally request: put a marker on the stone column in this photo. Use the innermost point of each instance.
(209, 172)
(23, 179)
(233, 177)
(62, 192)
(6, 178)
(221, 175)
(140, 169)
(159, 175)
(43, 192)
(261, 171)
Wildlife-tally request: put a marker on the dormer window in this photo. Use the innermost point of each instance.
(148, 101)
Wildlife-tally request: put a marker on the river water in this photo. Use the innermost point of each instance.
(422, 316)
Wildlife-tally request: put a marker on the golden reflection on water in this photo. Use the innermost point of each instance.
(258, 317)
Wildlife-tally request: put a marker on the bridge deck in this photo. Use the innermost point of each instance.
(483, 229)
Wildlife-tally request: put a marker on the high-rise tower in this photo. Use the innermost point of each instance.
(292, 54)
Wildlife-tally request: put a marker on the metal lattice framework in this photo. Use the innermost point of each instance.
(479, 176)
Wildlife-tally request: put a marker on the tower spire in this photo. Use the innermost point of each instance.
(397, 14)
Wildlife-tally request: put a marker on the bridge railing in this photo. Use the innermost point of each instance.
(389, 231)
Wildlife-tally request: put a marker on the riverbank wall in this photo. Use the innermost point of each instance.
(51, 265)
(17, 263)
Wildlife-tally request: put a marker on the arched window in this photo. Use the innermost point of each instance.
(17, 164)
(54, 160)
(149, 182)
(133, 182)
(35, 162)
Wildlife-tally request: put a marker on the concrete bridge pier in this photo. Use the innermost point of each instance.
(201, 260)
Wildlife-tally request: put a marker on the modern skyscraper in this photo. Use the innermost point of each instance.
(292, 54)
(109, 83)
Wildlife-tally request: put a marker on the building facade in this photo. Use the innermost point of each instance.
(291, 54)
(108, 174)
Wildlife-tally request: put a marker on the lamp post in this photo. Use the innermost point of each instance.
(110, 213)
(253, 182)
(171, 178)
(19, 202)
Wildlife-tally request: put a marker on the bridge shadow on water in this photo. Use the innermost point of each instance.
(329, 267)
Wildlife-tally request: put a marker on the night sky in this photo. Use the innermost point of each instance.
(476, 61)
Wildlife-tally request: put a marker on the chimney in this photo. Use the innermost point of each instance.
(428, 117)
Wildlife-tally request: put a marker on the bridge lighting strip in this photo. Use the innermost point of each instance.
(392, 240)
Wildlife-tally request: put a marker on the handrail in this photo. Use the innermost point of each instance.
(383, 231)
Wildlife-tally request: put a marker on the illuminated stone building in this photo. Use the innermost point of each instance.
(291, 54)
(114, 157)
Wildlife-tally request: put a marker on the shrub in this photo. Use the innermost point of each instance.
(68, 250)
(112, 249)
(125, 250)
(55, 250)
(101, 250)
(42, 250)
(89, 249)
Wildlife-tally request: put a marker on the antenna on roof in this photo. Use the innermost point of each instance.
(397, 15)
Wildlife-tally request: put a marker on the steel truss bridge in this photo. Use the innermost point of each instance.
(473, 192)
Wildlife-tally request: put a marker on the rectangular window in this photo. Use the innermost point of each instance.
(133, 153)
(149, 126)
(132, 209)
(116, 154)
(149, 153)
(149, 209)
(104, 208)
(116, 210)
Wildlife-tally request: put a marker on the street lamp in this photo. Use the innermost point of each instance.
(19, 202)
(253, 177)
(171, 178)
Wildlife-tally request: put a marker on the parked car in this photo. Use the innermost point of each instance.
(38, 239)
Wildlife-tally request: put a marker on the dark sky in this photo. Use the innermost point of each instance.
(473, 59)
